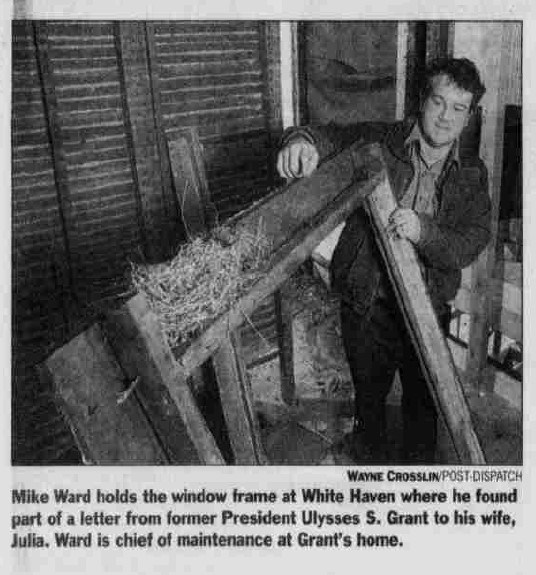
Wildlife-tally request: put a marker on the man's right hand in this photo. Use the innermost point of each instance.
(297, 159)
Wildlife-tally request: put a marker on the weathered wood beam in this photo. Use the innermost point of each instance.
(143, 351)
(107, 421)
(284, 212)
(236, 399)
(432, 349)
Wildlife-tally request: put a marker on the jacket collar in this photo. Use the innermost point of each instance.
(405, 133)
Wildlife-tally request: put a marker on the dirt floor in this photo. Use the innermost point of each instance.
(315, 431)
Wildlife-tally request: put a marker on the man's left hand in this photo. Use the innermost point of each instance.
(405, 223)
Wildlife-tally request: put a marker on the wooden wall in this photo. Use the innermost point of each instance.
(492, 299)
(94, 104)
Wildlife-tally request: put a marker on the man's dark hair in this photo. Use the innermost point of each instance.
(461, 71)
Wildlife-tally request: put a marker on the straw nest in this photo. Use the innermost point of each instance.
(206, 277)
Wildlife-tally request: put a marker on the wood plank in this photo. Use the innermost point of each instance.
(286, 210)
(155, 204)
(270, 58)
(163, 153)
(345, 191)
(236, 399)
(141, 346)
(108, 424)
(492, 61)
(432, 349)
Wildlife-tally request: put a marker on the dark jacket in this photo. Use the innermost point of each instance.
(450, 240)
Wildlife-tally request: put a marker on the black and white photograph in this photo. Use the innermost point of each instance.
(263, 242)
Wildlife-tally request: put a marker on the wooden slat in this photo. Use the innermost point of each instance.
(82, 29)
(432, 349)
(69, 92)
(180, 68)
(235, 394)
(143, 351)
(186, 56)
(188, 92)
(110, 428)
(199, 81)
(227, 28)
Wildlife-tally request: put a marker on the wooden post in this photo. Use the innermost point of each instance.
(107, 421)
(495, 48)
(235, 394)
(270, 56)
(136, 336)
(432, 349)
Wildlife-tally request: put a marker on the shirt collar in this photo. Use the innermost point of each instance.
(415, 135)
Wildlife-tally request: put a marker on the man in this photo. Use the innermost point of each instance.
(443, 210)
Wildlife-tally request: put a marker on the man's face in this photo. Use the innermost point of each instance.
(445, 112)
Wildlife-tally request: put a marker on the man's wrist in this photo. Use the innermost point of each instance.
(295, 134)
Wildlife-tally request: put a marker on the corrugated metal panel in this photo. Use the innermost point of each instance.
(211, 77)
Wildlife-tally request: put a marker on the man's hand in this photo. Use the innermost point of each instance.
(405, 223)
(297, 159)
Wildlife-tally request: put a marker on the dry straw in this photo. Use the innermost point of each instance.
(206, 277)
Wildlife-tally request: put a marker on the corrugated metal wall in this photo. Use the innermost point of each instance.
(79, 209)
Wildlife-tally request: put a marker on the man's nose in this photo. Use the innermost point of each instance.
(445, 114)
